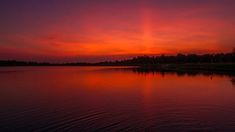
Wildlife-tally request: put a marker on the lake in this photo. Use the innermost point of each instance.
(107, 99)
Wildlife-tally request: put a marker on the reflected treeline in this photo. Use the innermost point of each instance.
(179, 73)
(140, 70)
(233, 80)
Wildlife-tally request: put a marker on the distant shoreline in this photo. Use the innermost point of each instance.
(203, 67)
(224, 62)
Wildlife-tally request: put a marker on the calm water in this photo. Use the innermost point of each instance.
(87, 99)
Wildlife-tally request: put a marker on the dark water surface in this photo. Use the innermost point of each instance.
(87, 99)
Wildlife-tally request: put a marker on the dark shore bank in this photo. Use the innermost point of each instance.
(220, 62)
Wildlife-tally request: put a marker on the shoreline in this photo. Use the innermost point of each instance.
(209, 67)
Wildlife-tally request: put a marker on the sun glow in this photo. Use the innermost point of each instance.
(102, 29)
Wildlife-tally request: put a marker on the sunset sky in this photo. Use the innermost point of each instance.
(94, 30)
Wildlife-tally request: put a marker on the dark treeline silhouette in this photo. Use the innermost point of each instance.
(142, 60)
(30, 63)
(178, 59)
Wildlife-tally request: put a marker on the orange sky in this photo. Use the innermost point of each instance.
(88, 30)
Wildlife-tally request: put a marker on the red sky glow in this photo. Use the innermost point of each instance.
(87, 30)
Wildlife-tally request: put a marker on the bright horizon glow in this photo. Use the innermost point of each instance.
(91, 30)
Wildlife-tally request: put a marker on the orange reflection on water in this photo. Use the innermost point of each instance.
(108, 95)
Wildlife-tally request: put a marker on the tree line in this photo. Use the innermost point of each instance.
(177, 59)
(142, 60)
